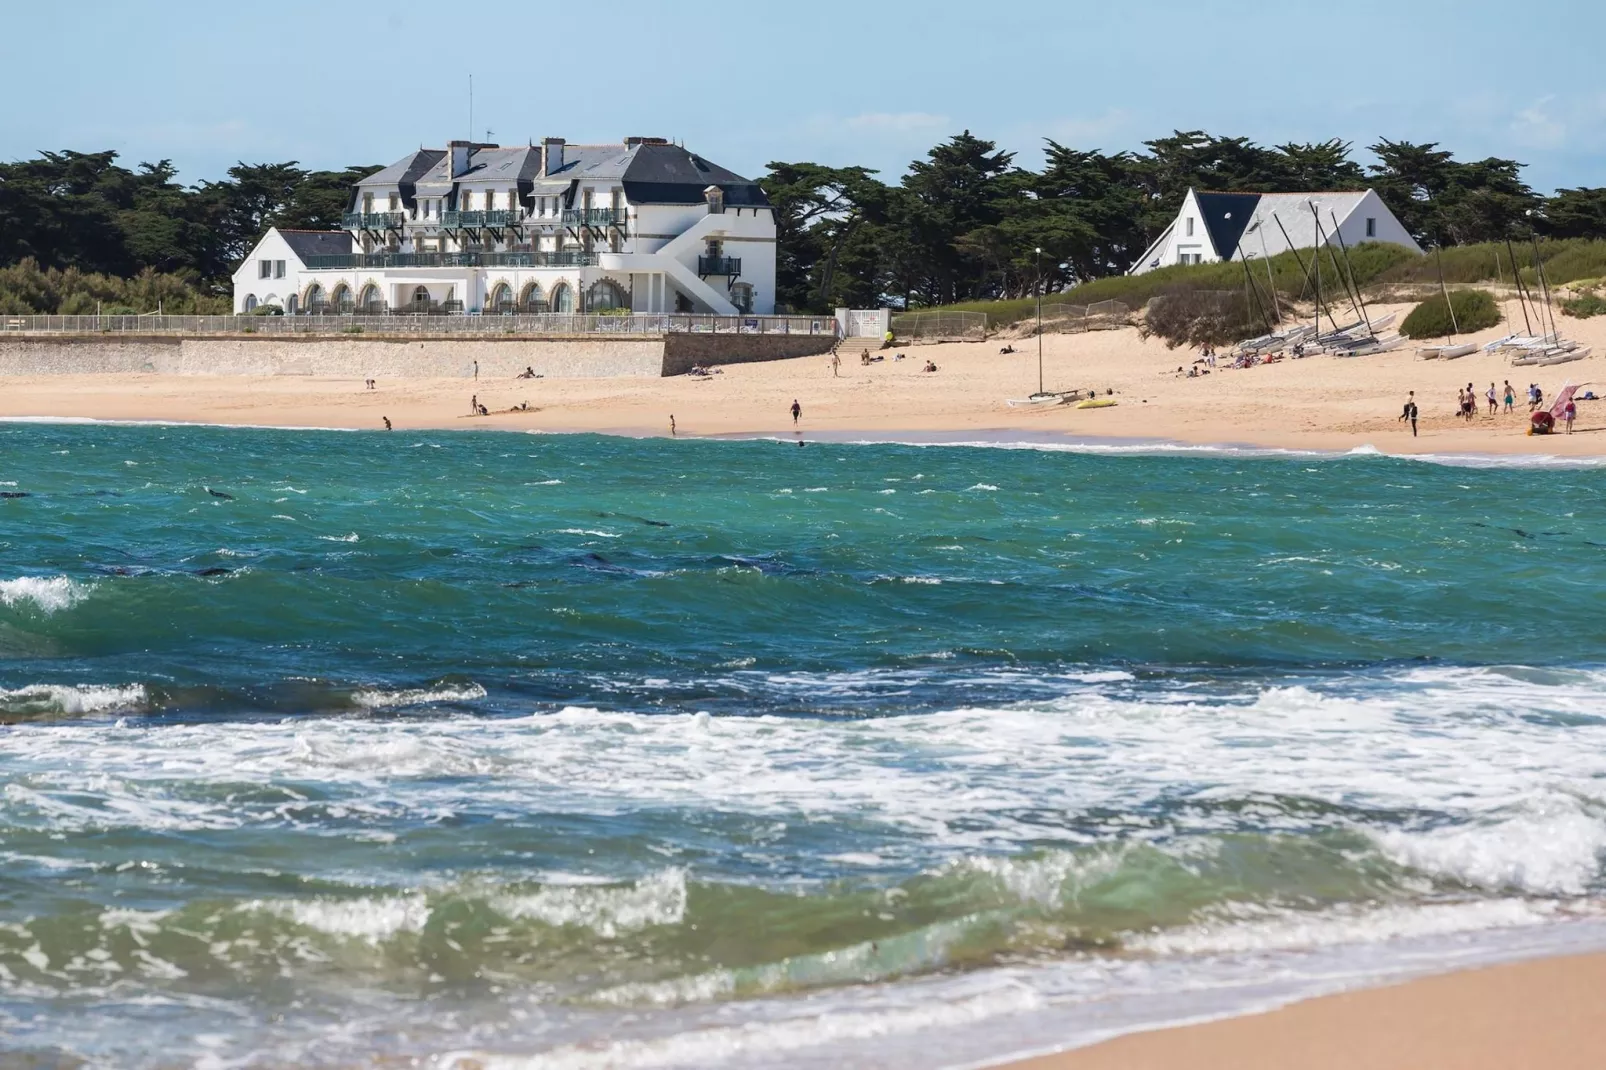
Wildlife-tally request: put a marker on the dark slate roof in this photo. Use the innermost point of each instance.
(307, 243)
(1226, 215)
(408, 169)
(668, 174)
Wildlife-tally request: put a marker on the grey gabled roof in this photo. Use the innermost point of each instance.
(651, 173)
(307, 243)
(409, 168)
(669, 174)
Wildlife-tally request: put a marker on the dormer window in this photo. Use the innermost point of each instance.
(716, 200)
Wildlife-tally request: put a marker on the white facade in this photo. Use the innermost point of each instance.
(1263, 225)
(481, 229)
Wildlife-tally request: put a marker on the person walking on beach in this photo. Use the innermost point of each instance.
(1511, 397)
(1410, 412)
(797, 412)
(387, 422)
(1461, 403)
(1533, 396)
(474, 405)
(1539, 397)
(1494, 401)
(836, 365)
(672, 430)
(476, 369)
(1570, 413)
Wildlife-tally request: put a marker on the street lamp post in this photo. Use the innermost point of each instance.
(1039, 320)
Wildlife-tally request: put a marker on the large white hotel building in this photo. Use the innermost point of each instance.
(644, 226)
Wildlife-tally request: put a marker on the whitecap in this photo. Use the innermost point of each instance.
(378, 699)
(72, 700)
(49, 594)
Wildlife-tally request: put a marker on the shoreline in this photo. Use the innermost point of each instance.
(1530, 1012)
(981, 438)
(1311, 406)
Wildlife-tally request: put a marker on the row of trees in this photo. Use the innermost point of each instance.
(85, 211)
(961, 225)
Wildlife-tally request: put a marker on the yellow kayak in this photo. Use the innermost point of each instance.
(1095, 403)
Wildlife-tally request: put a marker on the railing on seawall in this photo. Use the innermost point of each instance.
(490, 324)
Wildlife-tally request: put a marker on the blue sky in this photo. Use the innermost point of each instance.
(870, 82)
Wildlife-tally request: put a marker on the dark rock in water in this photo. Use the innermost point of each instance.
(220, 494)
(656, 523)
(215, 570)
(15, 494)
(520, 585)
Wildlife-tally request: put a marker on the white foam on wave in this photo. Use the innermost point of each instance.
(70, 699)
(588, 531)
(1556, 851)
(608, 911)
(752, 1042)
(352, 537)
(376, 699)
(373, 919)
(1259, 929)
(48, 594)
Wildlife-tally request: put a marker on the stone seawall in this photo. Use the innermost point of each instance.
(683, 351)
(379, 358)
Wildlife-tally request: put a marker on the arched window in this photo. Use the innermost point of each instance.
(533, 300)
(562, 298)
(372, 303)
(292, 305)
(501, 298)
(343, 300)
(606, 294)
(421, 299)
(250, 303)
(742, 298)
(317, 300)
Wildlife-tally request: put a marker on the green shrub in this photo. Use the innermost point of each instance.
(1585, 305)
(267, 310)
(1475, 310)
(353, 329)
(1190, 317)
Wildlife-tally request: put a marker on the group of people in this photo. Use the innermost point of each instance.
(1467, 406)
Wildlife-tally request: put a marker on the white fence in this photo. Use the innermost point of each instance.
(546, 325)
(1063, 317)
(940, 326)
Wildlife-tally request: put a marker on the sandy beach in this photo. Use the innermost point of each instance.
(1541, 1014)
(1321, 403)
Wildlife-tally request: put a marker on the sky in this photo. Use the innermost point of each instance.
(208, 83)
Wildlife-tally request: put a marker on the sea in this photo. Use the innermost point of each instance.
(503, 750)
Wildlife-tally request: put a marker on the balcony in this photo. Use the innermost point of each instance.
(594, 217)
(541, 258)
(459, 220)
(344, 261)
(534, 259)
(373, 220)
(719, 265)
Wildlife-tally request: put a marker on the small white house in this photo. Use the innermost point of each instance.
(1212, 227)
(643, 225)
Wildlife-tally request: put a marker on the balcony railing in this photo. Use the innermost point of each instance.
(595, 217)
(373, 220)
(340, 261)
(719, 265)
(542, 258)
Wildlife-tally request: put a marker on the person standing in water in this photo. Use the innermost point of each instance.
(387, 422)
(797, 412)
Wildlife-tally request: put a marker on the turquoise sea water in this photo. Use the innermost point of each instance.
(347, 749)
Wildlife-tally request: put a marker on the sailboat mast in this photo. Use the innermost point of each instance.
(1342, 244)
(1321, 240)
(1544, 288)
(1516, 276)
(1271, 282)
(1301, 262)
(1455, 328)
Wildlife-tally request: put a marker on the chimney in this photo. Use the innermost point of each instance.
(460, 150)
(552, 155)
